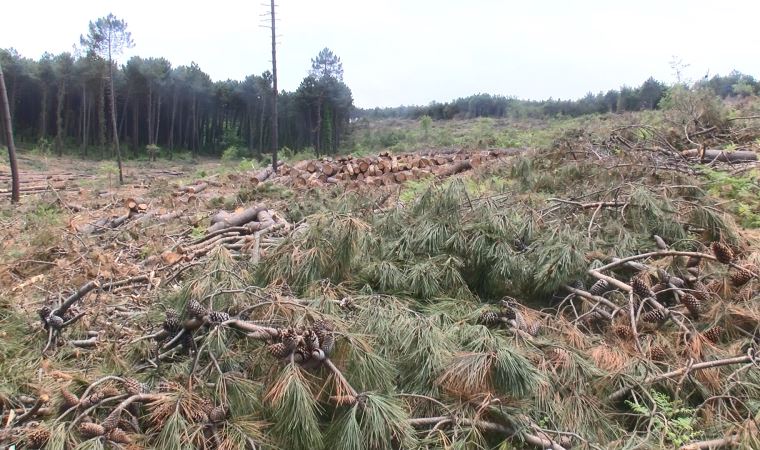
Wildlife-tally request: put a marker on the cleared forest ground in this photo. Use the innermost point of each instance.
(596, 288)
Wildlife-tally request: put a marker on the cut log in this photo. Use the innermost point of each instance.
(227, 220)
(196, 188)
(328, 169)
(722, 156)
(363, 165)
(459, 166)
(262, 175)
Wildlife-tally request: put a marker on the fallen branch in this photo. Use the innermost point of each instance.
(487, 426)
(617, 395)
(712, 443)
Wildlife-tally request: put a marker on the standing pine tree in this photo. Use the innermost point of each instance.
(327, 64)
(8, 128)
(107, 38)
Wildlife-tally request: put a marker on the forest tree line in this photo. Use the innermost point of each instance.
(60, 101)
(646, 96)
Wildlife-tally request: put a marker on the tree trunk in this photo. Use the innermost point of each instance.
(102, 117)
(135, 128)
(274, 93)
(261, 126)
(172, 124)
(43, 111)
(59, 117)
(113, 117)
(150, 114)
(158, 120)
(8, 126)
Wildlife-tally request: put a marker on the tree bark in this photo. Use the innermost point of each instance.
(43, 110)
(59, 117)
(722, 156)
(113, 116)
(275, 143)
(102, 117)
(8, 125)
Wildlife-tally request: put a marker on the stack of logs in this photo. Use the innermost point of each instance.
(35, 183)
(382, 170)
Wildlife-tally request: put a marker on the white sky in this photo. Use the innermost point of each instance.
(414, 51)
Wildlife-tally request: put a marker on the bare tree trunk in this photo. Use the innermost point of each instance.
(102, 117)
(158, 120)
(59, 117)
(275, 144)
(43, 111)
(6, 112)
(135, 128)
(113, 116)
(172, 124)
(261, 127)
(150, 114)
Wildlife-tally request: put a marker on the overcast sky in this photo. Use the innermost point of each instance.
(412, 52)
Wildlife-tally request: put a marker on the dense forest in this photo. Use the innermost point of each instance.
(60, 101)
(646, 96)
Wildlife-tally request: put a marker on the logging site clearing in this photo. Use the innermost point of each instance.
(587, 283)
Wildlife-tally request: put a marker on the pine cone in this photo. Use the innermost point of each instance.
(640, 286)
(699, 290)
(713, 334)
(37, 437)
(112, 420)
(327, 343)
(119, 436)
(134, 387)
(218, 414)
(311, 340)
(55, 321)
(322, 325)
(722, 252)
(534, 328)
(217, 317)
(508, 313)
(171, 323)
(91, 430)
(279, 350)
(489, 318)
(692, 304)
(69, 400)
(289, 338)
(654, 316)
(599, 288)
(741, 277)
(44, 313)
(623, 331)
(195, 309)
(693, 261)
(657, 354)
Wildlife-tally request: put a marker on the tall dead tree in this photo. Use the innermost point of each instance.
(8, 128)
(274, 91)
